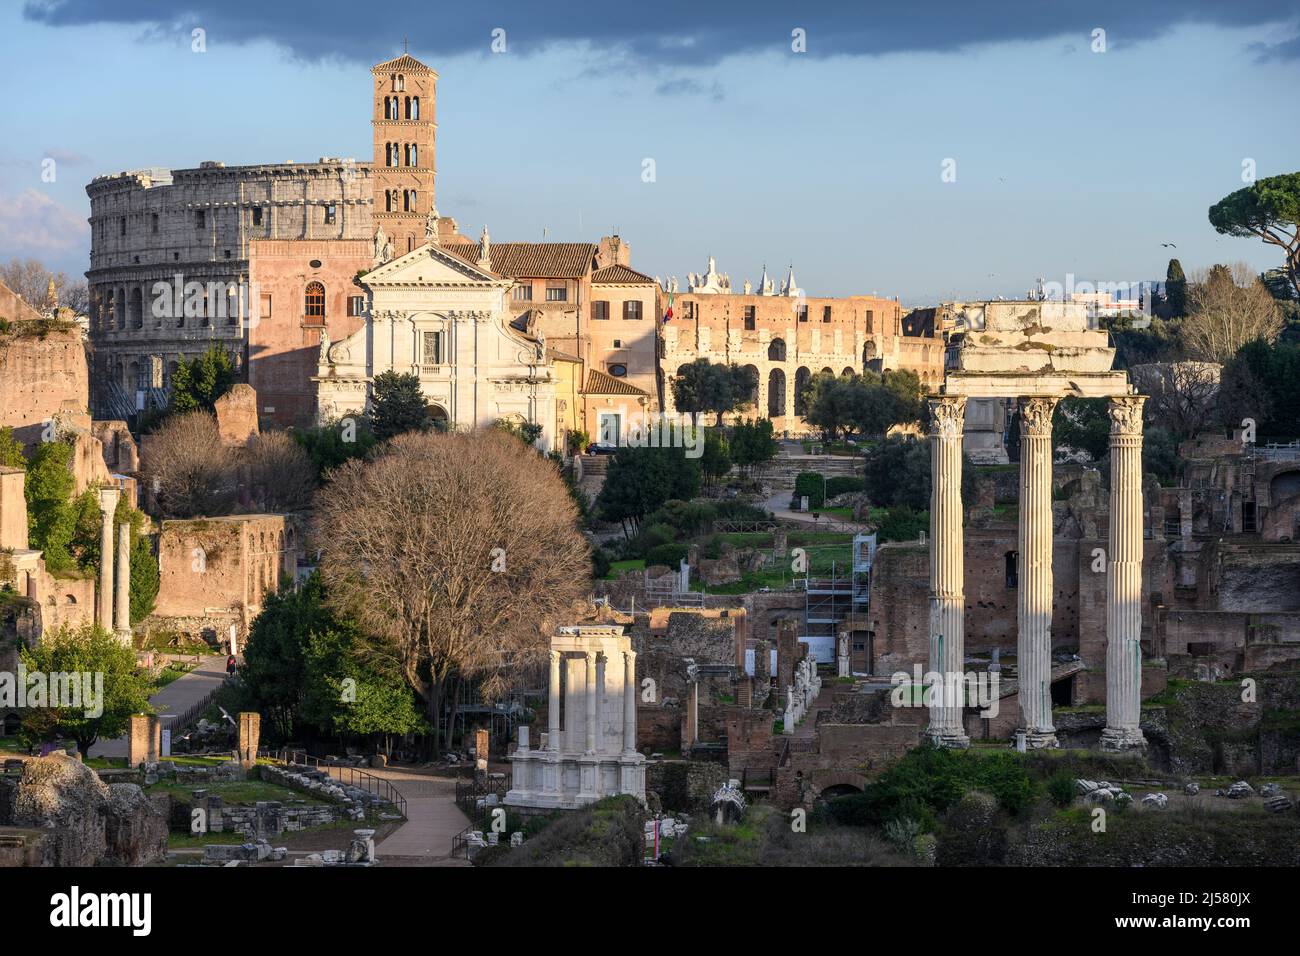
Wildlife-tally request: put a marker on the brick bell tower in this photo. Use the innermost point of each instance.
(403, 169)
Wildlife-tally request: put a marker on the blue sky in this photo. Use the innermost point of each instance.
(1067, 160)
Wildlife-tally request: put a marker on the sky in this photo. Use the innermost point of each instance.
(932, 150)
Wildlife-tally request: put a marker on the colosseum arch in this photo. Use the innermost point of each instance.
(775, 392)
(776, 351)
(756, 378)
(801, 380)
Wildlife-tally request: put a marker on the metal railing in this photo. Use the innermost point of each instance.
(468, 792)
(191, 716)
(351, 776)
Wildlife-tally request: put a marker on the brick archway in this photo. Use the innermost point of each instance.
(823, 780)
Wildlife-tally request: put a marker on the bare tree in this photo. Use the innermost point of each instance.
(457, 553)
(31, 281)
(279, 473)
(1183, 394)
(187, 469)
(1227, 307)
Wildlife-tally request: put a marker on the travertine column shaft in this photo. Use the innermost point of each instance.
(1124, 578)
(553, 705)
(589, 696)
(947, 593)
(122, 597)
(629, 702)
(1034, 575)
(600, 704)
(107, 506)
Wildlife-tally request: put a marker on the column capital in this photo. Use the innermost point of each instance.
(108, 501)
(1126, 414)
(1036, 415)
(629, 657)
(947, 416)
(555, 657)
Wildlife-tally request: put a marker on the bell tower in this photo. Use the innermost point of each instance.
(403, 169)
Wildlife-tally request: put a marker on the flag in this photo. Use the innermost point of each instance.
(669, 314)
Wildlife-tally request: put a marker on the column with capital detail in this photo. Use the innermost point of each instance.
(1124, 579)
(1034, 575)
(947, 568)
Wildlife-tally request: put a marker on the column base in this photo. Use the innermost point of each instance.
(952, 739)
(1039, 739)
(1123, 738)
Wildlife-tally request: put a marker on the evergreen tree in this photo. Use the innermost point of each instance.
(1175, 290)
(398, 405)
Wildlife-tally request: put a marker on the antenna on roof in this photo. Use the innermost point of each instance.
(405, 48)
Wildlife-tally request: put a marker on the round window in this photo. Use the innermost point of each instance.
(618, 370)
(315, 263)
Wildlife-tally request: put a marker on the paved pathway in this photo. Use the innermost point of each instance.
(432, 820)
(823, 701)
(176, 698)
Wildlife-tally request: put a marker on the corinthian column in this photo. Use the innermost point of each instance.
(590, 698)
(1034, 576)
(107, 506)
(122, 597)
(1124, 578)
(553, 705)
(629, 702)
(947, 597)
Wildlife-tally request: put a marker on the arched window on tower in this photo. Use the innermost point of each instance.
(415, 154)
(401, 84)
(406, 154)
(314, 301)
(406, 104)
(415, 107)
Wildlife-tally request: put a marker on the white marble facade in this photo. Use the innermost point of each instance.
(444, 319)
(589, 748)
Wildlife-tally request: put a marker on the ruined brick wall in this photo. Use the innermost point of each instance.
(226, 565)
(43, 370)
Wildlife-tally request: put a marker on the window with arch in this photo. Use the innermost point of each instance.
(314, 301)
(401, 84)
(410, 204)
(776, 350)
(406, 106)
(415, 155)
(415, 107)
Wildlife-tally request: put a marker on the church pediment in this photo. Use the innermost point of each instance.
(431, 266)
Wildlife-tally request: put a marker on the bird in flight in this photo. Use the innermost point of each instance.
(1169, 245)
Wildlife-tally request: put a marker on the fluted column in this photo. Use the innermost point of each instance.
(1124, 578)
(629, 702)
(947, 595)
(600, 704)
(107, 506)
(590, 698)
(1034, 575)
(122, 597)
(553, 705)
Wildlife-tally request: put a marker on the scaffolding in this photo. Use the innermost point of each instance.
(829, 600)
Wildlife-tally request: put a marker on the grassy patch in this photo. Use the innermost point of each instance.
(234, 791)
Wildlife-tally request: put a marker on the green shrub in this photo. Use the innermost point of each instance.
(1060, 787)
(669, 554)
(732, 510)
(812, 484)
(599, 562)
(901, 523)
(844, 484)
(688, 517)
(652, 536)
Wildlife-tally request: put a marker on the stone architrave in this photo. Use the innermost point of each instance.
(1124, 579)
(1034, 584)
(107, 507)
(947, 588)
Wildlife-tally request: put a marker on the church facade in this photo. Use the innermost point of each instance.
(442, 318)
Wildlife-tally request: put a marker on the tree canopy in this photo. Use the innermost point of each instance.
(703, 387)
(1269, 209)
(639, 480)
(398, 405)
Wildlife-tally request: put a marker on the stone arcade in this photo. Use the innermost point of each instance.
(591, 752)
(1038, 353)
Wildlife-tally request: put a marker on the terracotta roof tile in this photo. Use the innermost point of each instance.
(403, 62)
(598, 383)
(621, 275)
(533, 260)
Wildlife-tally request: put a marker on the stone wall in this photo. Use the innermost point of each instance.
(42, 371)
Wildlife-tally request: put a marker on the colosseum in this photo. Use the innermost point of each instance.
(786, 337)
(168, 270)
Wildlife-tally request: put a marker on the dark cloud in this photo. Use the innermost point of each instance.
(670, 32)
